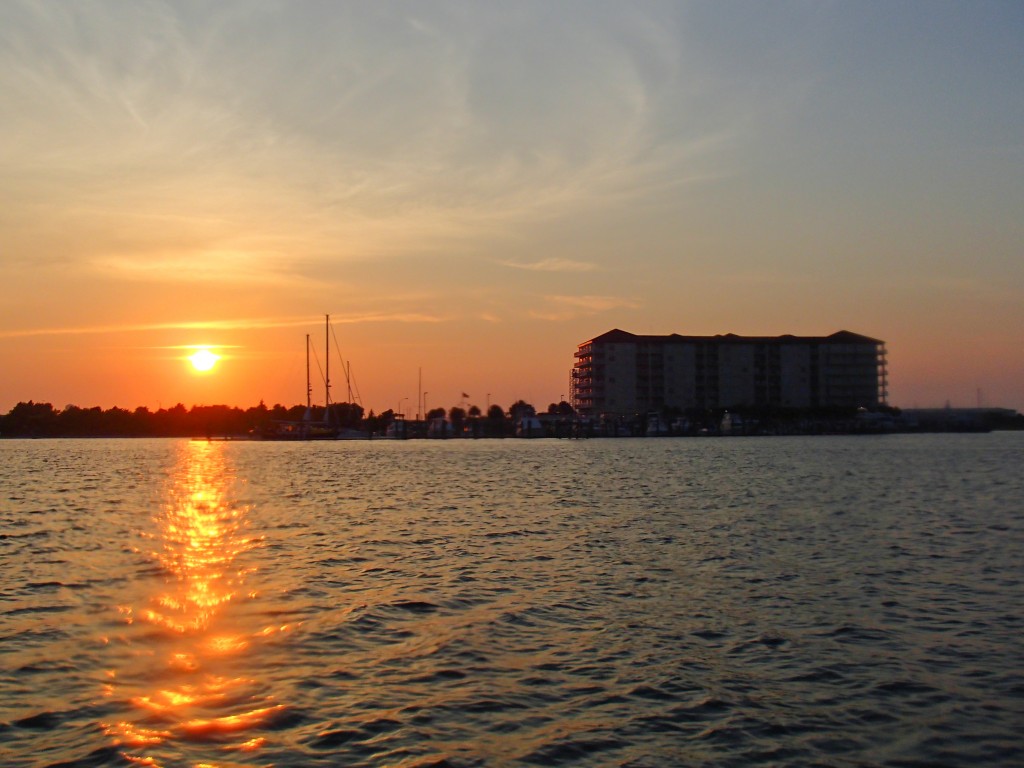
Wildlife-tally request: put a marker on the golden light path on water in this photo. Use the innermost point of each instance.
(194, 649)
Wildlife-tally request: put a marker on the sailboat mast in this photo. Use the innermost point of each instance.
(327, 361)
(309, 388)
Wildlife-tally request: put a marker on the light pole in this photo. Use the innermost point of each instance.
(400, 406)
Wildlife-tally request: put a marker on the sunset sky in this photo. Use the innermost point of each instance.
(473, 189)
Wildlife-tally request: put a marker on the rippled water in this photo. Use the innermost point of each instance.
(782, 601)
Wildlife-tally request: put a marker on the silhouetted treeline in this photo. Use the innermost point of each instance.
(43, 420)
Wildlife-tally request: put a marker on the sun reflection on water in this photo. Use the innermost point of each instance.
(193, 646)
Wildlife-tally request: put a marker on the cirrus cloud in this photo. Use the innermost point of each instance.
(553, 265)
(567, 307)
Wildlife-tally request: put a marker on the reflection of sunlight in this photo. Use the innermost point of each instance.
(251, 745)
(201, 539)
(230, 723)
(134, 735)
(193, 691)
(228, 644)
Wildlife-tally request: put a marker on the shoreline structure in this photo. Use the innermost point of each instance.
(621, 385)
(41, 420)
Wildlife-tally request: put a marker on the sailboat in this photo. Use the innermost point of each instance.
(309, 428)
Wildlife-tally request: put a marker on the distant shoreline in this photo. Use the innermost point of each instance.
(347, 421)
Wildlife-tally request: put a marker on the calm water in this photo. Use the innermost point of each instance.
(780, 601)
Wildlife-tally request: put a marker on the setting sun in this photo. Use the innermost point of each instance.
(204, 360)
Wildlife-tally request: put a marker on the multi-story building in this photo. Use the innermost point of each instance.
(620, 373)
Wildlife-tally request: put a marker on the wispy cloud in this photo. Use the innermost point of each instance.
(518, 117)
(768, 278)
(568, 307)
(552, 265)
(236, 268)
(197, 346)
(388, 317)
(237, 324)
(184, 325)
(595, 303)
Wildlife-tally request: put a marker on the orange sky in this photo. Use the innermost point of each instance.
(473, 191)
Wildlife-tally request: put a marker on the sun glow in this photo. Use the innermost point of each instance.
(203, 359)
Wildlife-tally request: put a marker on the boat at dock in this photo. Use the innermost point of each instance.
(309, 428)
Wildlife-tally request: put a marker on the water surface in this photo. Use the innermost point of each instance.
(844, 601)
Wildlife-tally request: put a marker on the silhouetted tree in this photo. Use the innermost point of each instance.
(142, 421)
(457, 416)
(42, 420)
(372, 423)
(521, 408)
(78, 422)
(497, 425)
(30, 419)
(347, 415)
(119, 422)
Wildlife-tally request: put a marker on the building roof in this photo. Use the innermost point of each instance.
(617, 335)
